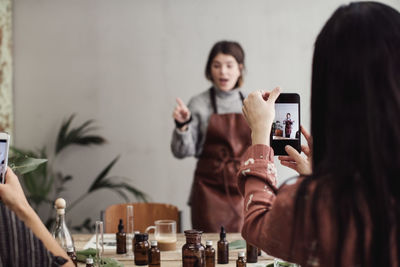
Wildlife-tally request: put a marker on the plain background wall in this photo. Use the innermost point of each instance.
(123, 62)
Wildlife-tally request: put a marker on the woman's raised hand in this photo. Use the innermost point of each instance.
(295, 161)
(181, 111)
(259, 111)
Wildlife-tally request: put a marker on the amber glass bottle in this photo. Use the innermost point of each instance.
(141, 249)
(72, 255)
(252, 253)
(121, 238)
(154, 255)
(241, 261)
(89, 262)
(223, 248)
(210, 254)
(193, 252)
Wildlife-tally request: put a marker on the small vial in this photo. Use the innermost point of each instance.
(89, 262)
(141, 249)
(252, 253)
(133, 240)
(154, 255)
(223, 248)
(241, 261)
(72, 255)
(210, 254)
(121, 238)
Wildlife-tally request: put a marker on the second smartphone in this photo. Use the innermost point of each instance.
(286, 126)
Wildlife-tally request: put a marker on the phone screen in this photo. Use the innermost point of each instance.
(286, 126)
(3, 158)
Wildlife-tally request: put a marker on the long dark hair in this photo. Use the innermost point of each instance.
(228, 48)
(355, 124)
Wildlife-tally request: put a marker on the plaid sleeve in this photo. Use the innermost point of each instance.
(19, 247)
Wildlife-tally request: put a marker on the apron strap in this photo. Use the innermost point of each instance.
(241, 96)
(214, 100)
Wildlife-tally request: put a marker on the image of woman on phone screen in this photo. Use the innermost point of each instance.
(212, 129)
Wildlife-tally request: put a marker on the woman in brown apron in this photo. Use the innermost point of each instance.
(212, 128)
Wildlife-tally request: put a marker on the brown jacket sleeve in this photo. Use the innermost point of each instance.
(268, 212)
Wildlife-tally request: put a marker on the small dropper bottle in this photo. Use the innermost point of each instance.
(121, 238)
(223, 248)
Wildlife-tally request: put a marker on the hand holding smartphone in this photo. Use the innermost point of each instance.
(286, 126)
(4, 147)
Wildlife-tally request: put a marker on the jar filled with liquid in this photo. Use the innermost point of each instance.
(210, 254)
(141, 249)
(154, 255)
(252, 253)
(193, 252)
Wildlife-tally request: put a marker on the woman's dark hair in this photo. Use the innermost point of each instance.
(355, 124)
(228, 48)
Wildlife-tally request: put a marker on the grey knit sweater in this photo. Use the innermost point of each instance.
(190, 142)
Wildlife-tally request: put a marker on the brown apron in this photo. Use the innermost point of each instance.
(215, 199)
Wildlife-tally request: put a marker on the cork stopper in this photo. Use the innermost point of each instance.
(60, 205)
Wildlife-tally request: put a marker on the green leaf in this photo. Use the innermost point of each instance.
(77, 136)
(98, 181)
(24, 165)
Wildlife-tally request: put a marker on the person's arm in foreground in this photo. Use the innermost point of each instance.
(13, 196)
(268, 222)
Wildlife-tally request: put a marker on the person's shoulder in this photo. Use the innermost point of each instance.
(200, 100)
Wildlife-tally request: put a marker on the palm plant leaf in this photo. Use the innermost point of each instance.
(77, 136)
(98, 182)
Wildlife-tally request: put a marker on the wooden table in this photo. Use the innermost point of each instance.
(174, 258)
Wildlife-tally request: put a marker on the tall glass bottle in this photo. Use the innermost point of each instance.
(60, 231)
(223, 248)
(193, 252)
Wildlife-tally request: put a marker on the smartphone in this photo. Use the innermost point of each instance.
(286, 126)
(4, 145)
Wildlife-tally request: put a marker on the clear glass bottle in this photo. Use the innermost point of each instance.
(141, 249)
(60, 231)
(223, 248)
(154, 255)
(210, 254)
(241, 261)
(193, 252)
(252, 253)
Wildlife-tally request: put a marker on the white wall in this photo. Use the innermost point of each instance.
(123, 62)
